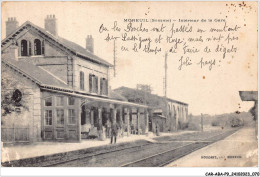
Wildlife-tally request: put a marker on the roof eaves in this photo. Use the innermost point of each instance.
(74, 93)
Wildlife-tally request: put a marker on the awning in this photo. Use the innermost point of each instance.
(106, 100)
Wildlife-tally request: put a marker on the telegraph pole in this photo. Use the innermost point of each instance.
(165, 75)
(165, 85)
(201, 122)
(114, 58)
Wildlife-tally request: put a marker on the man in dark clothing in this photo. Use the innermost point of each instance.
(114, 132)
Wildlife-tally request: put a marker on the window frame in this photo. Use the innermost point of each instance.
(70, 97)
(56, 101)
(57, 117)
(48, 117)
(90, 83)
(24, 49)
(43, 47)
(45, 101)
(37, 47)
(70, 117)
(81, 80)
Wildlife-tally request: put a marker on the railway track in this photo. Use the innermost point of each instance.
(164, 158)
(90, 156)
(119, 156)
(140, 154)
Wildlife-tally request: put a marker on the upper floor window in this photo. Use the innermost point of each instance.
(37, 47)
(43, 47)
(81, 80)
(93, 83)
(103, 86)
(24, 48)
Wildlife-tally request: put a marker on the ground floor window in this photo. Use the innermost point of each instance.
(48, 117)
(72, 116)
(60, 116)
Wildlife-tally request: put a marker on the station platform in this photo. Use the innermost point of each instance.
(18, 152)
(238, 150)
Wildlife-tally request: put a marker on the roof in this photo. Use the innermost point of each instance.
(151, 98)
(35, 73)
(117, 96)
(73, 47)
(49, 82)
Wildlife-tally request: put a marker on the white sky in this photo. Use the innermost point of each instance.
(217, 93)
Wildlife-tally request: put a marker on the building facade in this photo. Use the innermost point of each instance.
(63, 88)
(168, 113)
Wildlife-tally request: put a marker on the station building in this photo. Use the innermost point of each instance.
(168, 114)
(56, 90)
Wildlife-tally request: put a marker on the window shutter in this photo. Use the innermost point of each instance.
(101, 86)
(81, 80)
(83, 86)
(90, 82)
(105, 87)
(96, 81)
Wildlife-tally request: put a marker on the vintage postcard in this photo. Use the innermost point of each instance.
(129, 84)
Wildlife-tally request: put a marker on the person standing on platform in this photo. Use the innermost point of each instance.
(157, 129)
(114, 132)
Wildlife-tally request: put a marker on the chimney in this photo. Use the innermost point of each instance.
(11, 25)
(90, 43)
(50, 24)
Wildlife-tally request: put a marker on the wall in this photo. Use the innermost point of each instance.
(30, 118)
(55, 61)
(88, 68)
(177, 113)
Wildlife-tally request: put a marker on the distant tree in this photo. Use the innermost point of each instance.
(11, 97)
(144, 88)
(254, 111)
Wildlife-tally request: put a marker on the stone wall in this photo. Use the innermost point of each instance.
(27, 120)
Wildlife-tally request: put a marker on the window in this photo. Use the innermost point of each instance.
(48, 117)
(24, 48)
(71, 101)
(59, 101)
(90, 83)
(37, 47)
(81, 80)
(60, 116)
(72, 116)
(43, 47)
(106, 87)
(103, 86)
(96, 84)
(48, 102)
(93, 83)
